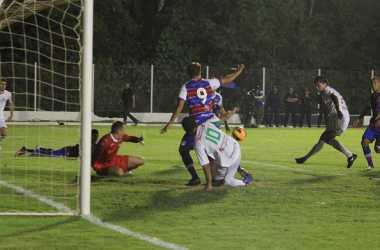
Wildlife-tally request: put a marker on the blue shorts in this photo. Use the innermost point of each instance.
(372, 134)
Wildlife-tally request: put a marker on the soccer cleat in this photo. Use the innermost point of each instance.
(350, 160)
(21, 151)
(194, 181)
(243, 173)
(142, 142)
(300, 160)
(369, 168)
(247, 179)
(217, 183)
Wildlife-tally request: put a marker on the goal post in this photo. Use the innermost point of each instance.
(46, 59)
(86, 99)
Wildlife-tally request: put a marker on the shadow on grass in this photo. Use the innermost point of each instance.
(371, 174)
(173, 169)
(172, 201)
(314, 179)
(36, 228)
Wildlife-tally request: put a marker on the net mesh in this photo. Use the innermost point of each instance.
(40, 58)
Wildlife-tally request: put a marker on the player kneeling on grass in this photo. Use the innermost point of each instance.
(218, 154)
(105, 160)
(372, 132)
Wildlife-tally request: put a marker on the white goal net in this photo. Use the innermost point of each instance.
(40, 61)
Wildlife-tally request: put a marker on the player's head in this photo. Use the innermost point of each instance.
(193, 69)
(290, 89)
(274, 88)
(189, 124)
(3, 84)
(94, 135)
(118, 128)
(321, 83)
(126, 85)
(257, 88)
(375, 84)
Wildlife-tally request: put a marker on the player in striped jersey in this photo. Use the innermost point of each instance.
(372, 133)
(198, 94)
(337, 122)
(5, 97)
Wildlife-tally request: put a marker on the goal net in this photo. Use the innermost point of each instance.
(40, 61)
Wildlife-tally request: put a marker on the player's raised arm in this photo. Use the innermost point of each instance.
(231, 77)
(175, 114)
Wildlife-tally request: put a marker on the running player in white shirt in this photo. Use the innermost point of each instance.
(218, 153)
(5, 97)
(337, 122)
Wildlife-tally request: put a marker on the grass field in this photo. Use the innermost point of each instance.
(318, 205)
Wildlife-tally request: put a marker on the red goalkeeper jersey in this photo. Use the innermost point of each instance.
(108, 146)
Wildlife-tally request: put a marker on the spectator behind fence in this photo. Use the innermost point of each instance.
(291, 100)
(256, 105)
(305, 108)
(274, 103)
(128, 97)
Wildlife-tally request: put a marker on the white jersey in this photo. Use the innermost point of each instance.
(211, 142)
(5, 97)
(330, 104)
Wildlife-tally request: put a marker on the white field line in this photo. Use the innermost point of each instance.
(92, 219)
(308, 171)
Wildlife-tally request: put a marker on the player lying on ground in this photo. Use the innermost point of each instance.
(5, 97)
(68, 151)
(105, 160)
(218, 154)
(337, 122)
(372, 132)
(198, 93)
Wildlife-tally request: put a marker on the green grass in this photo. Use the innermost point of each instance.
(318, 205)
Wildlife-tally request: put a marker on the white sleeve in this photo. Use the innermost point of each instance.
(183, 92)
(214, 83)
(201, 153)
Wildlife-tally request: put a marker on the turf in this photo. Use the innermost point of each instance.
(317, 205)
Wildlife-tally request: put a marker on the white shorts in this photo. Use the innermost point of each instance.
(2, 123)
(227, 173)
(339, 125)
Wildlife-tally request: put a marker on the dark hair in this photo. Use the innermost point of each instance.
(3, 80)
(116, 126)
(321, 79)
(193, 69)
(188, 124)
(94, 131)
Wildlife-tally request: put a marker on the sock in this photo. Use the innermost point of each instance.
(2, 138)
(317, 147)
(188, 161)
(368, 155)
(339, 146)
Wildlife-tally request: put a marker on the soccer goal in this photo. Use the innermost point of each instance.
(47, 70)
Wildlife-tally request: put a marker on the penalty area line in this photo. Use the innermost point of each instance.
(309, 171)
(92, 219)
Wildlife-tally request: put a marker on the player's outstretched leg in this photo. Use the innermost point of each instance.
(317, 147)
(189, 163)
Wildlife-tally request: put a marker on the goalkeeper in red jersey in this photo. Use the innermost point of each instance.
(106, 161)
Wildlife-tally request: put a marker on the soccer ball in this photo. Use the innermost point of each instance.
(239, 133)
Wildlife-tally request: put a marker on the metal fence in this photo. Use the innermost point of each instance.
(156, 88)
